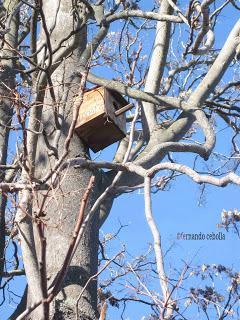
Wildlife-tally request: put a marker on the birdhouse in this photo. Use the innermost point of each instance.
(101, 119)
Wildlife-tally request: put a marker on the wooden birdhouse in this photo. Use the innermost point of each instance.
(101, 119)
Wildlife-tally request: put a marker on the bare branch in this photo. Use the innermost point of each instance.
(156, 68)
(126, 14)
(157, 241)
(219, 182)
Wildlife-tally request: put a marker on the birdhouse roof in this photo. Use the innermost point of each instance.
(114, 93)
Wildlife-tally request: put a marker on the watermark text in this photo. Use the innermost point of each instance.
(201, 236)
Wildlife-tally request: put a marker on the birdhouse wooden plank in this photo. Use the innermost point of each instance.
(98, 125)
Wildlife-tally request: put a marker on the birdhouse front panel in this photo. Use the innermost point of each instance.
(97, 124)
(92, 106)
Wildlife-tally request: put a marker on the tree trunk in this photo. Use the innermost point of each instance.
(62, 205)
